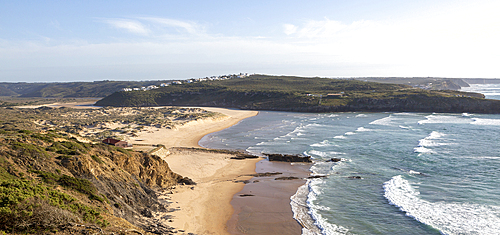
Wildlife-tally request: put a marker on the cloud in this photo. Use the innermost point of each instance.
(443, 43)
(289, 29)
(132, 26)
(184, 26)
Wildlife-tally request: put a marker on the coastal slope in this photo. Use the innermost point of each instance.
(54, 179)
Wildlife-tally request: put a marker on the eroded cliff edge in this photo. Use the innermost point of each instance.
(52, 182)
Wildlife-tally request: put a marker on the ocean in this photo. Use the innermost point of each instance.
(400, 173)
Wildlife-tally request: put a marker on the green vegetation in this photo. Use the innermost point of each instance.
(300, 94)
(69, 89)
(97, 159)
(81, 185)
(50, 181)
(29, 150)
(27, 206)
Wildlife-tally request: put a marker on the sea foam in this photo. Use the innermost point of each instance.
(485, 122)
(448, 217)
(383, 121)
(436, 118)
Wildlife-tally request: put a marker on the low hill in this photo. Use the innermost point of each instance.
(69, 89)
(300, 94)
(429, 83)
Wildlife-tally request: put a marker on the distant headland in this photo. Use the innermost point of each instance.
(313, 94)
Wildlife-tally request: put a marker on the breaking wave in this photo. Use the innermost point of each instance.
(449, 218)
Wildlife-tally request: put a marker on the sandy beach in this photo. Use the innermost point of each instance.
(204, 208)
(213, 205)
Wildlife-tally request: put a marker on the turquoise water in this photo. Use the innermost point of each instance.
(421, 173)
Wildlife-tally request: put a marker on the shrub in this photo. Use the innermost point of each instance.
(81, 185)
(27, 206)
(97, 159)
(29, 150)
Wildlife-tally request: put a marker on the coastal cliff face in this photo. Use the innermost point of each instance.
(307, 95)
(52, 183)
(425, 101)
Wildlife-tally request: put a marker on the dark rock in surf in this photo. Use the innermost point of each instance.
(335, 160)
(317, 176)
(287, 158)
(287, 178)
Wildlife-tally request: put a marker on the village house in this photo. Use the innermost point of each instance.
(117, 143)
(335, 95)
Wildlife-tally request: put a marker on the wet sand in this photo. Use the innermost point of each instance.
(203, 208)
(268, 210)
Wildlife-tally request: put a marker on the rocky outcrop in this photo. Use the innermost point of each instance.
(287, 157)
(128, 179)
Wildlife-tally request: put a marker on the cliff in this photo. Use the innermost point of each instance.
(260, 92)
(49, 182)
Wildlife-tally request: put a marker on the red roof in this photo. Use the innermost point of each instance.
(111, 141)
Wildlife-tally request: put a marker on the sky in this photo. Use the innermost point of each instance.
(64, 41)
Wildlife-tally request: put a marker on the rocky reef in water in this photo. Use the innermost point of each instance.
(287, 157)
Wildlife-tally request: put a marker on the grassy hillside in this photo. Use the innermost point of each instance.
(69, 89)
(430, 83)
(51, 183)
(300, 94)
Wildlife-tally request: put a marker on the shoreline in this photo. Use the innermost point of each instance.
(263, 206)
(213, 205)
(203, 208)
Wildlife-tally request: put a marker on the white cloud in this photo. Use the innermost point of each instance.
(129, 25)
(461, 42)
(289, 29)
(186, 26)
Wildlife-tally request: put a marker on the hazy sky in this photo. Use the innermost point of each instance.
(156, 40)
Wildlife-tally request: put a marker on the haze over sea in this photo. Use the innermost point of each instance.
(421, 173)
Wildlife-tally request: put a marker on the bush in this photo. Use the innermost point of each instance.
(27, 206)
(97, 159)
(29, 150)
(81, 185)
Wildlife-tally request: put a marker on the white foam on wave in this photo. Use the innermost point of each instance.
(485, 122)
(349, 133)
(406, 114)
(422, 150)
(268, 143)
(361, 115)
(412, 172)
(482, 157)
(449, 218)
(314, 210)
(340, 137)
(362, 129)
(437, 118)
(429, 142)
(383, 121)
(300, 210)
(435, 135)
(323, 154)
(404, 127)
(321, 144)
(315, 125)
